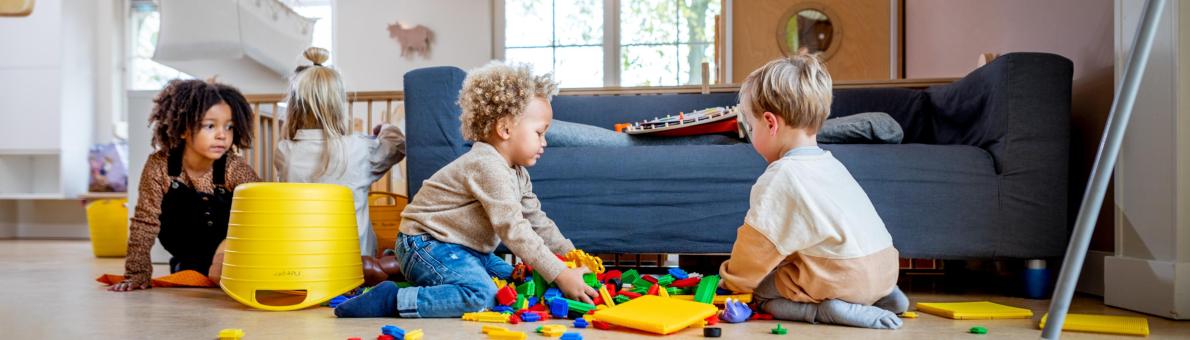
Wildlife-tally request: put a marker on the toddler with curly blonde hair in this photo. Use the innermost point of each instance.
(470, 206)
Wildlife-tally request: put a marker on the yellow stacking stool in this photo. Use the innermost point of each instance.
(291, 245)
(107, 220)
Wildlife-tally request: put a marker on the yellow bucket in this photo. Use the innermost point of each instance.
(108, 221)
(291, 245)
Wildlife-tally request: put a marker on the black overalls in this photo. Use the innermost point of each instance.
(193, 223)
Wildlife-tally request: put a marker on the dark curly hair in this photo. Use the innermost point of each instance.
(179, 108)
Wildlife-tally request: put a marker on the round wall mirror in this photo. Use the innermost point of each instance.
(808, 30)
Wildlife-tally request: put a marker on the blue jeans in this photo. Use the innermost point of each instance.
(448, 279)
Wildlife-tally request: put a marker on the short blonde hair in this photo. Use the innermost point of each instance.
(797, 88)
(497, 91)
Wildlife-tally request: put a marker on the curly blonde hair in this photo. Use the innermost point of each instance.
(498, 91)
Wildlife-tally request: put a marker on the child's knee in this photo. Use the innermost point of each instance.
(478, 296)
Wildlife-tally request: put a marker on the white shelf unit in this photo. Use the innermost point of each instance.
(47, 100)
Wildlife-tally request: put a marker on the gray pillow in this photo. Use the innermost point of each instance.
(861, 128)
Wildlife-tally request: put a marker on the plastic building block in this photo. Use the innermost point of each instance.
(520, 272)
(521, 302)
(540, 284)
(514, 319)
(552, 330)
(530, 317)
(500, 284)
(653, 290)
(336, 301)
(665, 280)
(913, 315)
(713, 320)
(414, 334)
(1111, 324)
(559, 308)
(572, 336)
(591, 280)
(395, 331)
(723, 291)
(662, 292)
(601, 325)
(779, 330)
(629, 276)
(486, 317)
(490, 329)
(678, 273)
(656, 314)
(686, 283)
(978, 330)
(720, 299)
(594, 263)
(502, 309)
(621, 299)
(649, 278)
(231, 334)
(551, 293)
(581, 323)
(712, 332)
(607, 297)
(531, 301)
(630, 295)
(576, 306)
(385, 337)
(980, 310)
(507, 335)
(706, 289)
(506, 296)
(735, 311)
(527, 289)
(355, 338)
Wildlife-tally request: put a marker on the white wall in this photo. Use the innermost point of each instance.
(371, 61)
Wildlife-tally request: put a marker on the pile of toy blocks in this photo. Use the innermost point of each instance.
(527, 297)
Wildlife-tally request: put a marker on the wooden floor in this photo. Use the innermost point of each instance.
(49, 292)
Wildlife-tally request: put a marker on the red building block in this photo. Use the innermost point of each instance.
(506, 296)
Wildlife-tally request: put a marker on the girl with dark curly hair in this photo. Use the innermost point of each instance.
(185, 192)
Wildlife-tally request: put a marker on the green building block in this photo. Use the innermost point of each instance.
(978, 330)
(640, 282)
(673, 291)
(665, 280)
(780, 330)
(578, 307)
(592, 280)
(706, 289)
(629, 276)
(539, 284)
(529, 288)
(521, 302)
(621, 299)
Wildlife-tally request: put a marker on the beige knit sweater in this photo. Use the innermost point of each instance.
(478, 201)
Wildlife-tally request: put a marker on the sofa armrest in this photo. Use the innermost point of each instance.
(432, 122)
(1017, 109)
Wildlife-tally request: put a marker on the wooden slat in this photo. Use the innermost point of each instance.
(258, 142)
(275, 137)
(368, 128)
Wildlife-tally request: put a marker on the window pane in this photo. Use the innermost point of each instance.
(579, 66)
(648, 22)
(143, 72)
(541, 58)
(580, 22)
(693, 55)
(322, 26)
(528, 23)
(649, 65)
(697, 22)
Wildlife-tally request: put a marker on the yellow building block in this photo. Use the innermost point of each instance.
(657, 314)
(414, 334)
(486, 317)
(909, 315)
(594, 263)
(499, 283)
(978, 310)
(1111, 324)
(553, 330)
(507, 335)
(719, 299)
(489, 329)
(231, 334)
(607, 297)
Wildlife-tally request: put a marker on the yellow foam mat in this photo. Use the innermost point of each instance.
(979, 310)
(656, 314)
(1112, 324)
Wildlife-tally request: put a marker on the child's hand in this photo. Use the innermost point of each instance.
(130, 284)
(571, 283)
(376, 129)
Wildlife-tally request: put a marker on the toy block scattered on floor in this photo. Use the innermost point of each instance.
(908, 315)
(779, 330)
(231, 334)
(486, 317)
(706, 289)
(979, 310)
(572, 336)
(551, 330)
(719, 299)
(656, 314)
(1110, 324)
(414, 334)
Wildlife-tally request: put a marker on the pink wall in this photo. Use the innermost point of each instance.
(943, 38)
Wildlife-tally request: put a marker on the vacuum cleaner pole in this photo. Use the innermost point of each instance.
(1105, 163)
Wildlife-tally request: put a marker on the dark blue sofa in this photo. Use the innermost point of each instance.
(982, 173)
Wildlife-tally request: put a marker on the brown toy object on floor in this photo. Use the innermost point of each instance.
(377, 270)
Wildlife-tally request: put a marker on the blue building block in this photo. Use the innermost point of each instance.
(502, 309)
(572, 336)
(394, 331)
(551, 293)
(678, 273)
(530, 317)
(559, 308)
(532, 300)
(581, 323)
(722, 291)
